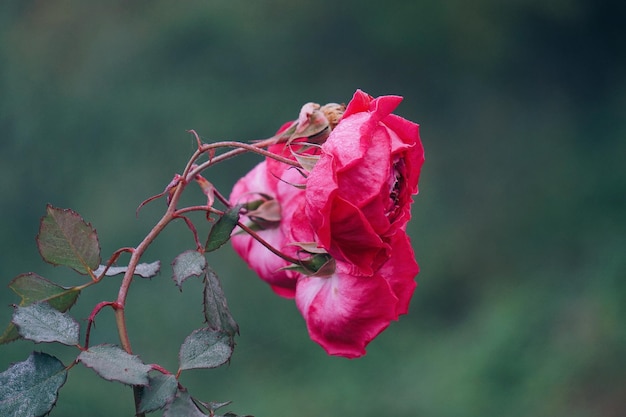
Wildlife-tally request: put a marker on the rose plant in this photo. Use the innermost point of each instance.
(322, 219)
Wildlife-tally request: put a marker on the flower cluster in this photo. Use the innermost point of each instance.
(339, 221)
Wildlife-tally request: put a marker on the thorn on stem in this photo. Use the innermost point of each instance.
(195, 134)
(92, 318)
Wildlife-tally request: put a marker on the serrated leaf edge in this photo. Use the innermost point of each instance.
(86, 267)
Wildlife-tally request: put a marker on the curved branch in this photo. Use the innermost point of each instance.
(267, 245)
(240, 149)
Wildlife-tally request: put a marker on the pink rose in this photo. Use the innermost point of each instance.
(360, 191)
(345, 311)
(273, 181)
(269, 223)
(350, 210)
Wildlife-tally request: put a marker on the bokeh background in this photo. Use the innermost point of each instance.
(519, 228)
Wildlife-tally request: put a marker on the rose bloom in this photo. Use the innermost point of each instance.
(357, 204)
(274, 181)
(354, 207)
(344, 310)
(258, 184)
(360, 191)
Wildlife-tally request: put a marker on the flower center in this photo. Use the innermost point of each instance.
(396, 185)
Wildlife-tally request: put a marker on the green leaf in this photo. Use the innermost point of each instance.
(221, 230)
(42, 323)
(159, 392)
(65, 239)
(143, 270)
(31, 388)
(183, 406)
(114, 364)
(205, 348)
(216, 312)
(187, 264)
(33, 288)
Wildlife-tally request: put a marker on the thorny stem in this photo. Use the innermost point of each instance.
(119, 307)
(190, 172)
(243, 227)
(132, 265)
(111, 261)
(222, 199)
(92, 319)
(208, 209)
(240, 148)
(171, 213)
(191, 227)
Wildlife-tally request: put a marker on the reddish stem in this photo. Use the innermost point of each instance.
(188, 175)
(240, 148)
(191, 227)
(112, 260)
(263, 242)
(222, 199)
(92, 318)
(132, 265)
(159, 368)
(189, 209)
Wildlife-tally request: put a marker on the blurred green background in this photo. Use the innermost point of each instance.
(519, 229)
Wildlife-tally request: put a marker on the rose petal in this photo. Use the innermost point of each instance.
(352, 238)
(360, 191)
(400, 271)
(360, 103)
(263, 262)
(382, 106)
(344, 312)
(363, 178)
(407, 144)
(267, 265)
